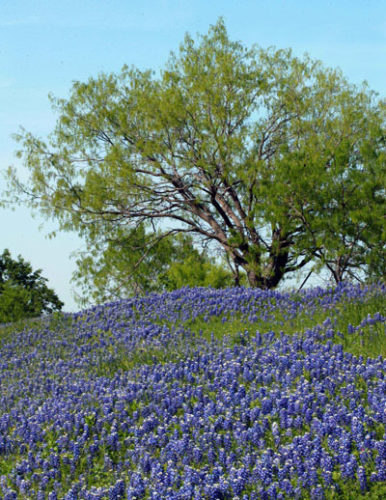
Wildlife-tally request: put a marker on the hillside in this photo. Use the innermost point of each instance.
(198, 394)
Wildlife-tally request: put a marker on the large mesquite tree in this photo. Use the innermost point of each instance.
(261, 153)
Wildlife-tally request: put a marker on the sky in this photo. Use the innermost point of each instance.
(45, 46)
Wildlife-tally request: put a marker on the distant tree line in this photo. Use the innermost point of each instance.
(270, 162)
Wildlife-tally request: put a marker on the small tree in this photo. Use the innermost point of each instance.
(23, 292)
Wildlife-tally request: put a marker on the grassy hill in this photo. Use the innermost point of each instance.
(198, 394)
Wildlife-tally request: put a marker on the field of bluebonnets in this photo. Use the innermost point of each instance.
(198, 394)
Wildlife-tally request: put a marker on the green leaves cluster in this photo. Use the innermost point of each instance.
(23, 292)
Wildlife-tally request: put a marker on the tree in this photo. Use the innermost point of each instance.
(238, 147)
(23, 292)
(136, 262)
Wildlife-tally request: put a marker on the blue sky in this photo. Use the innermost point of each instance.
(47, 45)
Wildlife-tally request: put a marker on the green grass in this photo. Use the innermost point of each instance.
(7, 330)
(53, 321)
(369, 342)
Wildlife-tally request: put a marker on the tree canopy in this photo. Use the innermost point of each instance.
(275, 160)
(23, 292)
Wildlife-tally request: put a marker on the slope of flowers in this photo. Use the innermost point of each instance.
(262, 416)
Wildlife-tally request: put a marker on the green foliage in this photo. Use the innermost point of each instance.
(137, 262)
(23, 292)
(13, 299)
(194, 272)
(274, 159)
(189, 267)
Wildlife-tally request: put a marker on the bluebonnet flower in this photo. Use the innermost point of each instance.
(381, 469)
(362, 478)
(71, 495)
(272, 491)
(317, 493)
(381, 448)
(349, 468)
(10, 495)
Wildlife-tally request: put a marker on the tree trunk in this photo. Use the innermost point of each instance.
(278, 267)
(236, 276)
(337, 270)
(273, 273)
(253, 279)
